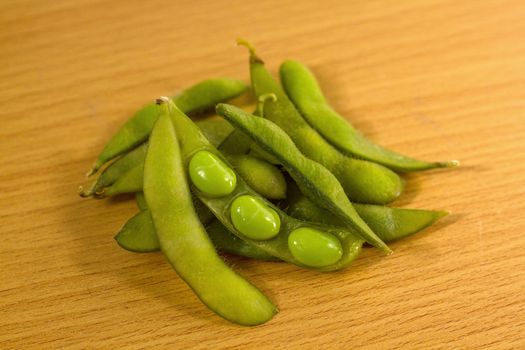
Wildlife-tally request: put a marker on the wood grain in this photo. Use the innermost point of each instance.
(434, 79)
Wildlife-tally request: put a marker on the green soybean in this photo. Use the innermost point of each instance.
(197, 98)
(314, 248)
(211, 175)
(265, 178)
(138, 235)
(304, 91)
(363, 181)
(183, 239)
(192, 141)
(389, 224)
(253, 218)
(315, 181)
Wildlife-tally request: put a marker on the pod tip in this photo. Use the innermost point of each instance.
(253, 55)
(450, 164)
(81, 192)
(161, 100)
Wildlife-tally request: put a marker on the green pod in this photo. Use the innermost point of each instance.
(197, 98)
(129, 182)
(183, 239)
(363, 181)
(304, 91)
(315, 180)
(138, 235)
(389, 224)
(216, 130)
(115, 170)
(192, 141)
(265, 178)
(141, 201)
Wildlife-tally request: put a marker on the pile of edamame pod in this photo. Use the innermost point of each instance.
(291, 182)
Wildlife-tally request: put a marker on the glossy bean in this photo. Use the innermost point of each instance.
(197, 98)
(314, 248)
(192, 141)
(363, 181)
(315, 180)
(211, 175)
(183, 239)
(304, 91)
(253, 218)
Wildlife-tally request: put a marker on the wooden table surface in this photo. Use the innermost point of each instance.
(434, 79)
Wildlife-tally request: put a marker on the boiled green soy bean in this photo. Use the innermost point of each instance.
(184, 241)
(363, 181)
(192, 141)
(302, 88)
(313, 247)
(315, 181)
(254, 219)
(211, 175)
(197, 98)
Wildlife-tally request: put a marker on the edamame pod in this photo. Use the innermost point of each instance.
(184, 241)
(304, 91)
(389, 224)
(315, 180)
(363, 181)
(196, 98)
(138, 235)
(129, 182)
(141, 201)
(116, 170)
(192, 141)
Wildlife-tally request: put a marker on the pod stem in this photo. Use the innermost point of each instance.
(449, 164)
(253, 54)
(94, 168)
(259, 110)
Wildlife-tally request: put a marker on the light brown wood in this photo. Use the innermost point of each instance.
(433, 79)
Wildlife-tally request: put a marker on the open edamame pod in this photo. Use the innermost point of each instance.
(315, 180)
(304, 91)
(389, 224)
(197, 98)
(138, 235)
(183, 239)
(272, 226)
(363, 181)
